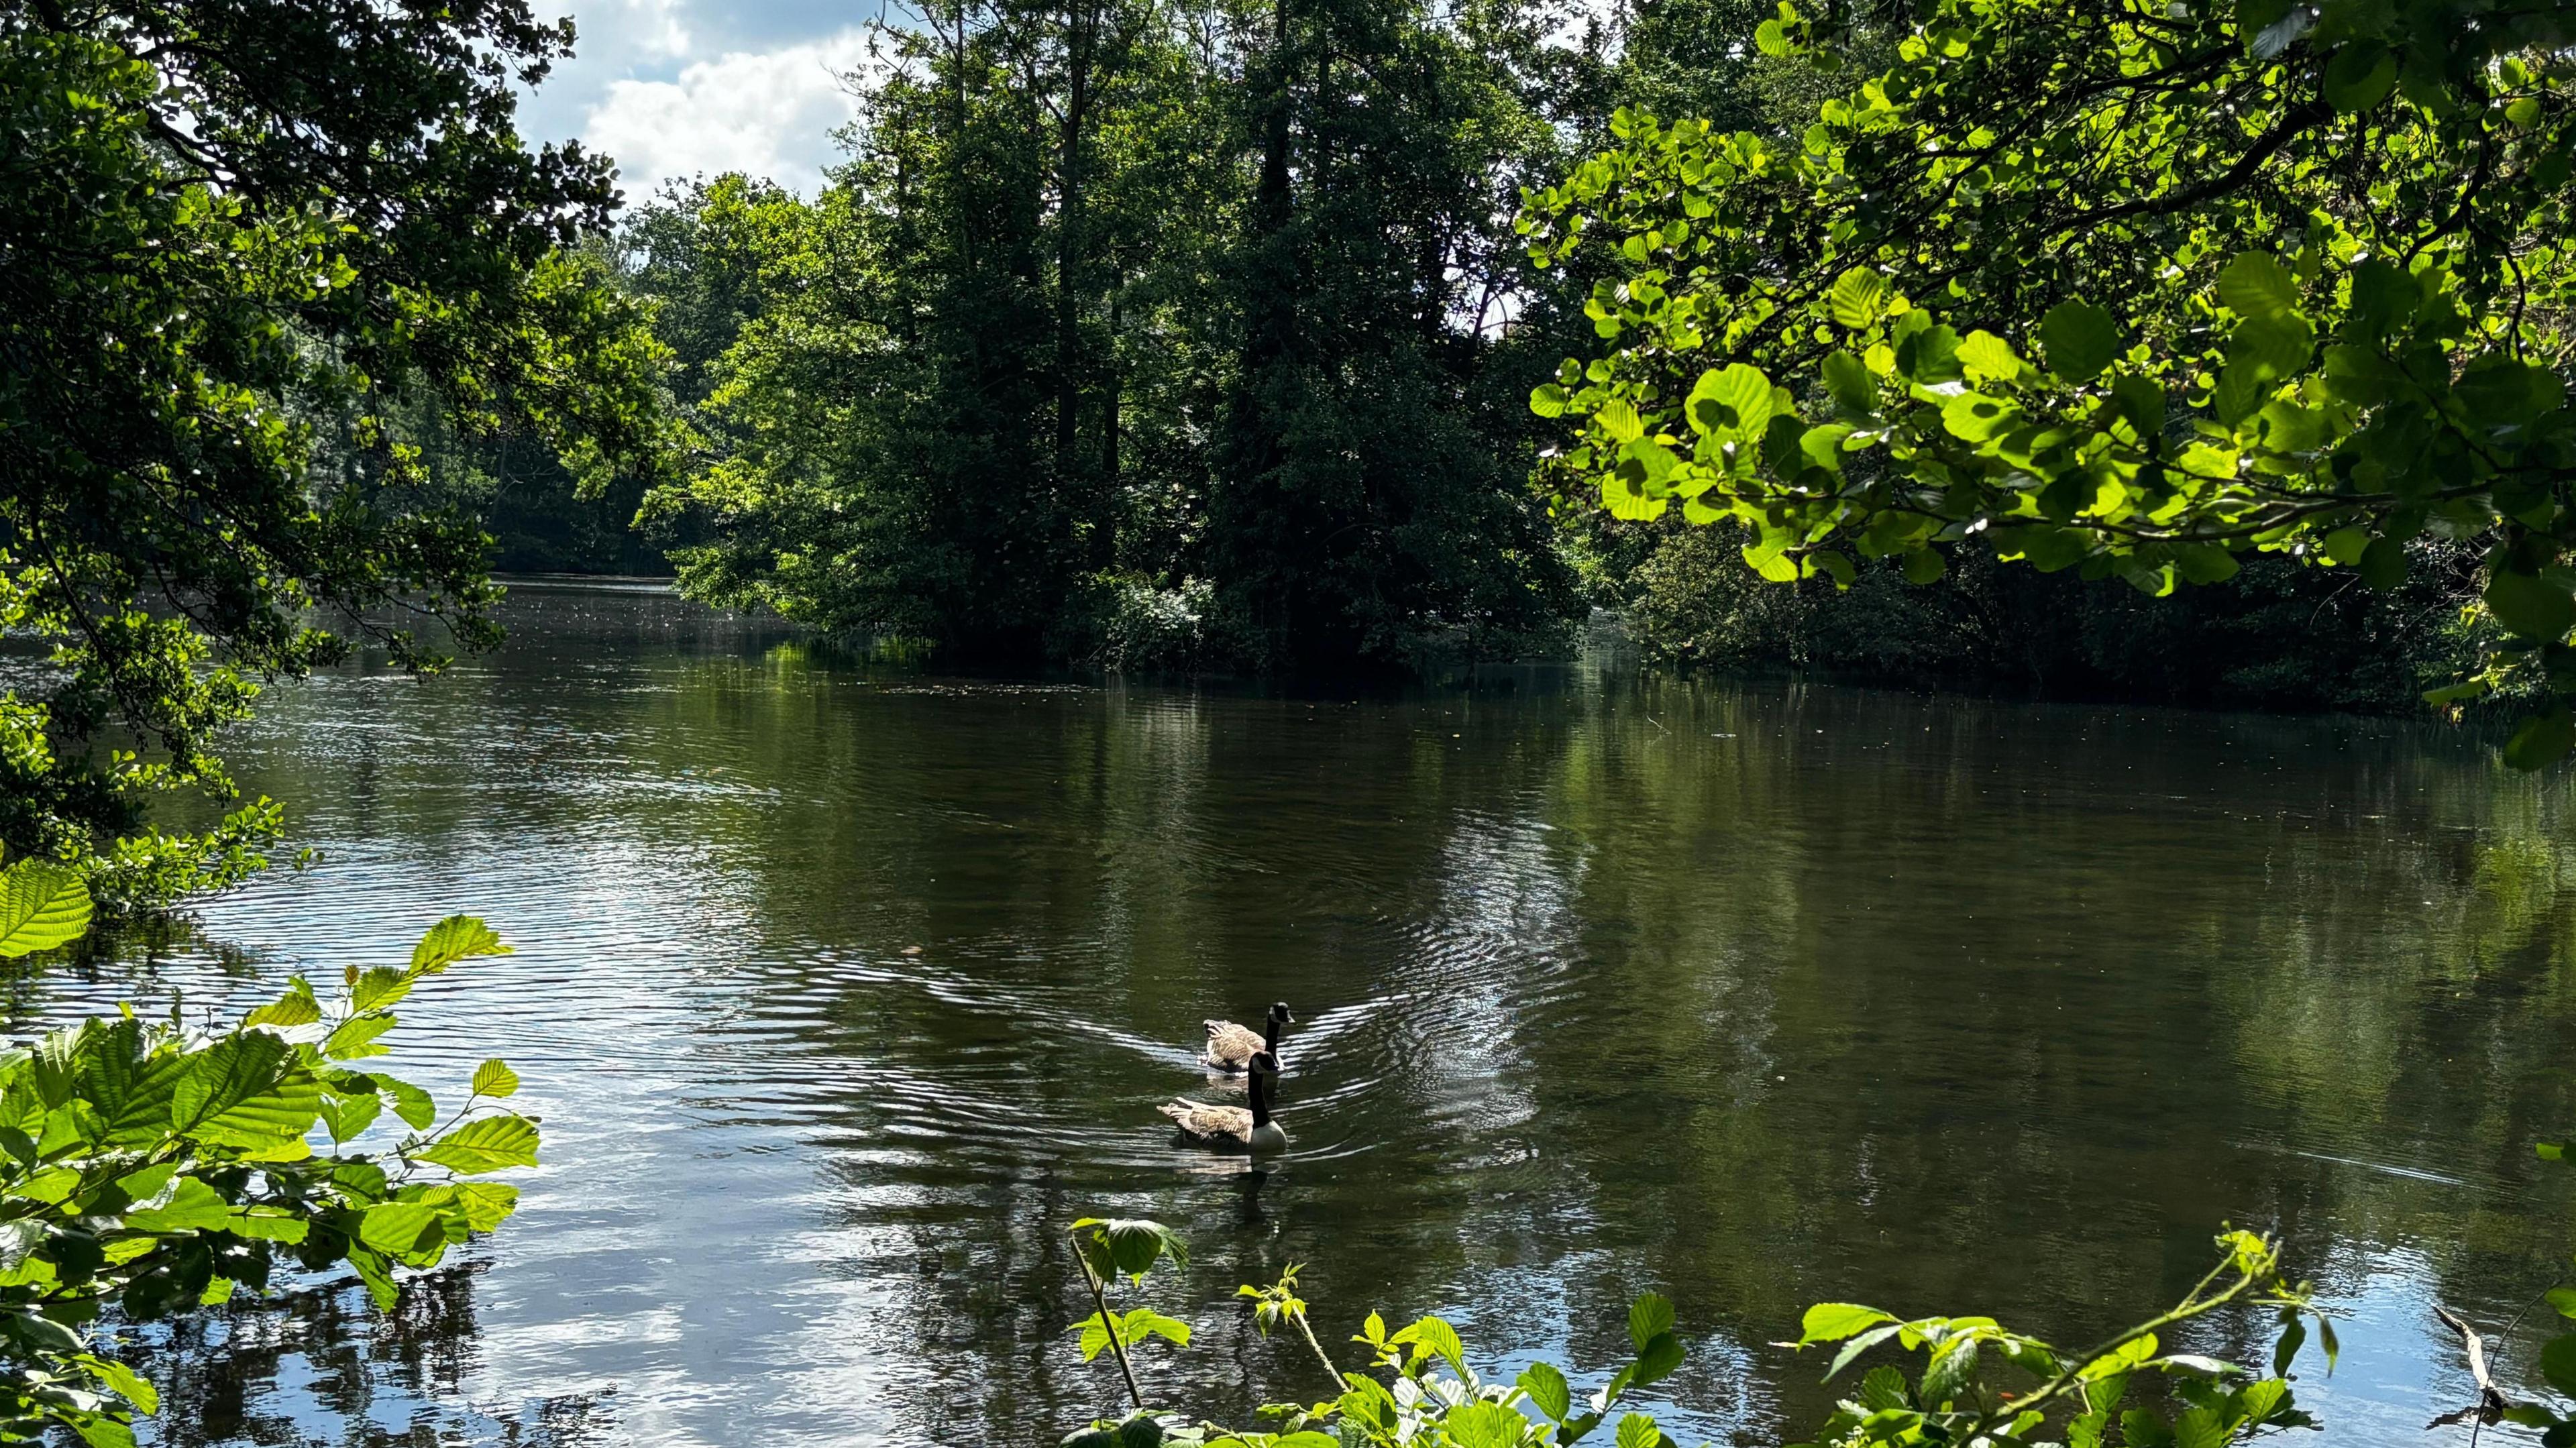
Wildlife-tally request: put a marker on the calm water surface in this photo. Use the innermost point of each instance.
(842, 995)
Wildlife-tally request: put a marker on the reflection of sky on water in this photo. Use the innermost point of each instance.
(1754, 998)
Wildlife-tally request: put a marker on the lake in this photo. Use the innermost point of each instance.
(843, 993)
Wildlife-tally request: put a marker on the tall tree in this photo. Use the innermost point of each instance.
(239, 236)
(1153, 334)
(1361, 512)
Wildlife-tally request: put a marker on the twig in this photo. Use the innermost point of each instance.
(2491, 1404)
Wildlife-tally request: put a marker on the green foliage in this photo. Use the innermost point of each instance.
(2212, 289)
(1133, 335)
(242, 249)
(1979, 1383)
(156, 1167)
(1432, 1398)
(1960, 1392)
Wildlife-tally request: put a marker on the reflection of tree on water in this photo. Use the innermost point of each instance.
(323, 1366)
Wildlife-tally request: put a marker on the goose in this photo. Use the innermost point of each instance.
(1230, 1048)
(1231, 1128)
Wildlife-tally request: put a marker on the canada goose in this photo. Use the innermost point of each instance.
(1231, 1128)
(1231, 1047)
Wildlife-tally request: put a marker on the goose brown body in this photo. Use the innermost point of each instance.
(1230, 1048)
(1232, 1128)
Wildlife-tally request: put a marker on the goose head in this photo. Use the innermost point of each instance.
(1280, 1014)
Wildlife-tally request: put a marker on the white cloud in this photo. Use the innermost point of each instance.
(768, 113)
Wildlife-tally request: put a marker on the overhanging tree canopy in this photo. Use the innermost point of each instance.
(238, 233)
(2123, 286)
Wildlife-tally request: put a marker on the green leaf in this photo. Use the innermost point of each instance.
(2563, 1299)
(226, 1074)
(287, 1109)
(125, 1382)
(2360, 76)
(2285, 1351)
(1732, 403)
(1883, 1388)
(2496, 391)
(2345, 545)
(42, 905)
(1929, 356)
(1439, 1338)
(193, 1207)
(1133, 1244)
(1768, 561)
(1484, 1425)
(1637, 1430)
(411, 1103)
(373, 1271)
(1649, 1317)
(2383, 564)
(486, 1205)
(1619, 421)
(2542, 740)
(1858, 298)
(2079, 339)
(1548, 1390)
(458, 937)
(1849, 382)
(295, 1008)
(1834, 1321)
(2558, 1362)
(1976, 417)
(2267, 349)
(1861, 1343)
(2205, 563)
(488, 1143)
(102, 1432)
(1548, 400)
(395, 1228)
(268, 1224)
(495, 1078)
(1952, 1370)
(2257, 285)
(1770, 39)
(1925, 565)
(378, 987)
(2531, 606)
(2200, 1428)
(1988, 358)
(1658, 1359)
(355, 1038)
(347, 1117)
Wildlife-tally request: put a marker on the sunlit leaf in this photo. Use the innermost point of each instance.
(42, 905)
(458, 937)
(489, 1143)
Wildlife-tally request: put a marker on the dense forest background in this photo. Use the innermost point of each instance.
(1196, 337)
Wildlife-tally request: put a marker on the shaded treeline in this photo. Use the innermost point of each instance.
(1141, 333)
(1196, 335)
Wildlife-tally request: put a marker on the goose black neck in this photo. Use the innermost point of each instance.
(1270, 1036)
(1260, 1098)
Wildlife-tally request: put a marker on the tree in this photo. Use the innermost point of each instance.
(2265, 277)
(1152, 335)
(245, 242)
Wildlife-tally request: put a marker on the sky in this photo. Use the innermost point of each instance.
(678, 88)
